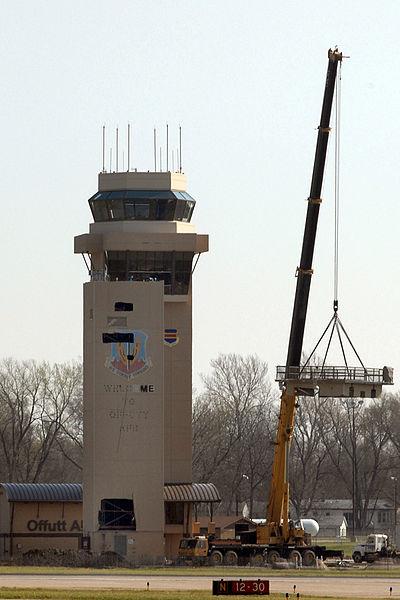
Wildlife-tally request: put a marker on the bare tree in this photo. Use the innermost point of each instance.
(392, 402)
(231, 427)
(356, 442)
(308, 460)
(35, 412)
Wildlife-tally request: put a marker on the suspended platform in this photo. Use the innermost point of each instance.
(336, 382)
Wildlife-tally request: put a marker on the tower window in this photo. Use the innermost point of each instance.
(123, 306)
(117, 513)
(142, 210)
(142, 205)
(116, 209)
(173, 268)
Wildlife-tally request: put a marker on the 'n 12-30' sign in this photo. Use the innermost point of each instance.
(244, 587)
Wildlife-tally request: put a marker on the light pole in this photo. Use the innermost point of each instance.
(394, 479)
(353, 404)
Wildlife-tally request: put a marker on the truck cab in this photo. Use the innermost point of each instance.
(192, 548)
(376, 546)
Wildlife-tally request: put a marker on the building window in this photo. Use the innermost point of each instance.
(384, 516)
(173, 268)
(142, 205)
(349, 518)
(117, 513)
(174, 513)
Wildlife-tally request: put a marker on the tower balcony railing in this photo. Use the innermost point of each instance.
(331, 373)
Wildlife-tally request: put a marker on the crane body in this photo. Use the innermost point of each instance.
(280, 536)
(278, 529)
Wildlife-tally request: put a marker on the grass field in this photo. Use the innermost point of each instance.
(382, 571)
(37, 594)
(344, 545)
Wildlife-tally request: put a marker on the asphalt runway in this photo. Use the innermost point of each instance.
(371, 587)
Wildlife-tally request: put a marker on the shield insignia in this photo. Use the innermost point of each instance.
(171, 337)
(128, 357)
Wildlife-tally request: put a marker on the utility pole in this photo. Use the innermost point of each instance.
(353, 404)
(394, 479)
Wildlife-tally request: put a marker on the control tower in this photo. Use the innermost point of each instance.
(138, 364)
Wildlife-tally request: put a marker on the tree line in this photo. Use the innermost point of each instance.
(340, 448)
(40, 421)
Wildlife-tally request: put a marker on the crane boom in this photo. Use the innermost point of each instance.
(304, 271)
(278, 529)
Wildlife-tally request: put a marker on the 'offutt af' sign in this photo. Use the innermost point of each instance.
(57, 526)
(244, 587)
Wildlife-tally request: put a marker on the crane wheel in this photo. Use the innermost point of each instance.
(231, 558)
(308, 558)
(216, 558)
(257, 560)
(295, 557)
(357, 557)
(273, 557)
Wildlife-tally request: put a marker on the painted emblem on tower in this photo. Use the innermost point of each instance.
(128, 357)
(171, 337)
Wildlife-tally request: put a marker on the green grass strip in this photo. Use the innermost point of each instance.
(219, 572)
(47, 594)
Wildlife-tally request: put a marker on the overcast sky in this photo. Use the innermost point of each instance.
(245, 80)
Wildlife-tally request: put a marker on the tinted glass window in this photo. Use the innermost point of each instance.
(159, 205)
(173, 268)
(120, 194)
(129, 210)
(116, 265)
(165, 210)
(116, 208)
(180, 208)
(188, 211)
(164, 194)
(187, 196)
(158, 261)
(183, 268)
(142, 210)
(99, 210)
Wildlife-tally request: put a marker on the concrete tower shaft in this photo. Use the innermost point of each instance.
(137, 358)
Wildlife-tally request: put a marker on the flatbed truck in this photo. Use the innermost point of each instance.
(217, 552)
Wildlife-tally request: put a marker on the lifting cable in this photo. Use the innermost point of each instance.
(337, 163)
(335, 322)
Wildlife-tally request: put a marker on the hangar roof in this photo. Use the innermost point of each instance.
(43, 492)
(72, 492)
(191, 492)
